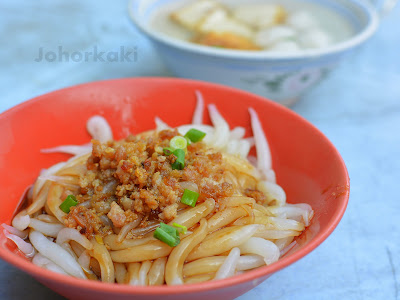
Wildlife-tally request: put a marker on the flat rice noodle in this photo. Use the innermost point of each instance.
(232, 147)
(144, 270)
(244, 148)
(157, 271)
(56, 254)
(112, 242)
(174, 266)
(120, 273)
(160, 124)
(25, 247)
(84, 260)
(240, 165)
(284, 242)
(225, 217)
(237, 133)
(262, 209)
(77, 160)
(39, 199)
(236, 201)
(199, 278)
(247, 181)
(71, 182)
(264, 160)
(238, 147)
(228, 267)
(248, 262)
(47, 218)
(133, 273)
(199, 109)
(48, 211)
(48, 229)
(77, 248)
(269, 175)
(230, 178)
(69, 249)
(54, 201)
(69, 149)
(99, 129)
(272, 223)
(300, 212)
(102, 255)
(267, 249)
(40, 182)
(67, 234)
(43, 262)
(149, 251)
(21, 220)
(22, 234)
(273, 192)
(128, 227)
(271, 234)
(194, 215)
(223, 240)
(286, 224)
(221, 134)
(40, 260)
(204, 265)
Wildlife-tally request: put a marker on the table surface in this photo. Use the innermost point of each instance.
(357, 107)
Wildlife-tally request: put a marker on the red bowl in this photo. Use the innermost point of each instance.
(308, 166)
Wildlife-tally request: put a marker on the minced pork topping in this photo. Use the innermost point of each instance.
(133, 178)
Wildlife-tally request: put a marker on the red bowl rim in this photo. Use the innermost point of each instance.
(255, 274)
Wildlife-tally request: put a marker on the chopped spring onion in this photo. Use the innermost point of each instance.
(195, 135)
(189, 197)
(181, 228)
(179, 163)
(167, 234)
(168, 151)
(68, 203)
(178, 142)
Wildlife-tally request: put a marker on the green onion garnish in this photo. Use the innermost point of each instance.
(189, 197)
(195, 135)
(178, 142)
(181, 228)
(168, 151)
(179, 163)
(167, 234)
(68, 203)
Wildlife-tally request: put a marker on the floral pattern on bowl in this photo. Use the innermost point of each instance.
(285, 87)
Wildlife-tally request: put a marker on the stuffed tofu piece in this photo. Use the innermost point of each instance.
(189, 16)
(219, 21)
(226, 40)
(219, 29)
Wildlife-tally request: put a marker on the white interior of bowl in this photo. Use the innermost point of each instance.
(360, 14)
